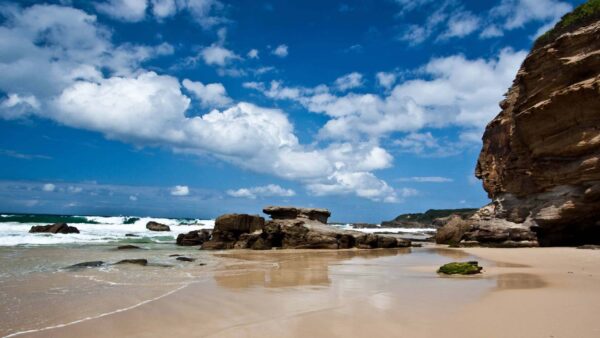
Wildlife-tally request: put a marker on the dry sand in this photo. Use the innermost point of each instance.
(545, 292)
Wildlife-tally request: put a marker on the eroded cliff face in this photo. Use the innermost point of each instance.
(540, 161)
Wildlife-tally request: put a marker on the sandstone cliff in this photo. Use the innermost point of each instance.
(540, 161)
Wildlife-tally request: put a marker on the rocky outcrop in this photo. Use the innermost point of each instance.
(292, 228)
(197, 237)
(155, 226)
(431, 218)
(312, 214)
(56, 228)
(540, 161)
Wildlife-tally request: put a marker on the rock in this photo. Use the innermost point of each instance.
(92, 264)
(175, 255)
(305, 231)
(56, 228)
(131, 235)
(185, 259)
(431, 218)
(313, 214)
(196, 237)
(540, 161)
(589, 247)
(128, 247)
(230, 227)
(154, 226)
(453, 231)
(138, 261)
(460, 268)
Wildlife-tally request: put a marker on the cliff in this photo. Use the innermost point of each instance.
(540, 161)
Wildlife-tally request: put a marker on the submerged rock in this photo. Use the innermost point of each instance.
(138, 261)
(185, 259)
(196, 237)
(128, 247)
(131, 235)
(91, 264)
(460, 268)
(56, 228)
(155, 226)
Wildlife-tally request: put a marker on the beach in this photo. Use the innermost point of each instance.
(533, 292)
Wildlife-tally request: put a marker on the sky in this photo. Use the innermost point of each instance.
(195, 108)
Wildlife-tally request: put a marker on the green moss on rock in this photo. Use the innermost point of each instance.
(460, 268)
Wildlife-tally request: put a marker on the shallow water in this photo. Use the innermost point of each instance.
(278, 292)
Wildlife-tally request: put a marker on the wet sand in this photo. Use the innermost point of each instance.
(522, 293)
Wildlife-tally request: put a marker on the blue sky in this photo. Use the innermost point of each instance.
(193, 108)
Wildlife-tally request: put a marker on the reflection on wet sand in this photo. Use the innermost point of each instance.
(514, 281)
(288, 269)
(451, 253)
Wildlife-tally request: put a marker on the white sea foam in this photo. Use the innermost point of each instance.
(104, 230)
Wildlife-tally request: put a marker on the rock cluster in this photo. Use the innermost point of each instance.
(291, 228)
(56, 228)
(540, 161)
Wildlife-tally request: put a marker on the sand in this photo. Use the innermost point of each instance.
(540, 292)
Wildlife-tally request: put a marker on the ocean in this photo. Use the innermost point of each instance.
(14, 229)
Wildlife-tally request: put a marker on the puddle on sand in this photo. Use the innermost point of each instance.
(519, 281)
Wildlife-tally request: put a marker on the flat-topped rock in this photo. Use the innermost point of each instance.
(284, 212)
(56, 228)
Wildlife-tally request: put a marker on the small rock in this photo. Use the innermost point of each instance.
(589, 247)
(138, 261)
(175, 255)
(155, 226)
(460, 268)
(127, 247)
(196, 237)
(202, 264)
(91, 264)
(131, 235)
(185, 259)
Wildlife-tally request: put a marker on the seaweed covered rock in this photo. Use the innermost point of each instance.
(155, 226)
(56, 228)
(460, 268)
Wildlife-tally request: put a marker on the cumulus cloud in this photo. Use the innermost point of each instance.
(217, 55)
(125, 10)
(180, 190)
(270, 190)
(460, 25)
(385, 80)
(349, 81)
(425, 179)
(210, 95)
(281, 51)
(49, 187)
(253, 54)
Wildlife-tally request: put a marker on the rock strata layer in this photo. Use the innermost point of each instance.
(291, 228)
(540, 161)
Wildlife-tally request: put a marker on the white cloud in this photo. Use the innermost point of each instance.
(217, 55)
(133, 198)
(349, 81)
(262, 191)
(363, 184)
(253, 54)
(125, 10)
(385, 80)
(281, 51)
(180, 190)
(49, 187)
(517, 13)
(210, 95)
(491, 32)
(74, 189)
(426, 179)
(460, 25)
(163, 8)
(410, 5)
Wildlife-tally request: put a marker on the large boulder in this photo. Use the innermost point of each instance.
(230, 228)
(540, 161)
(155, 226)
(313, 214)
(56, 228)
(453, 231)
(197, 237)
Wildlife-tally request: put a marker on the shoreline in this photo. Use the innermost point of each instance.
(290, 293)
